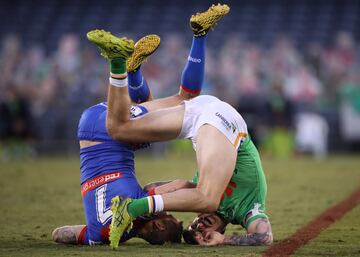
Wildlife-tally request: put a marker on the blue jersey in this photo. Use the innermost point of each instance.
(107, 170)
(109, 156)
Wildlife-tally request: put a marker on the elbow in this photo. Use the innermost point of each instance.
(56, 235)
(265, 239)
(110, 126)
(270, 240)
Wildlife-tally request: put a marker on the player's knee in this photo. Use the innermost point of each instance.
(209, 205)
(209, 201)
(205, 202)
(212, 206)
(115, 129)
(110, 127)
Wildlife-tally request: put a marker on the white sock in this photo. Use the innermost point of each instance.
(118, 80)
(156, 203)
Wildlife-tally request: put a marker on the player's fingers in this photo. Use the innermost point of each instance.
(199, 238)
(208, 235)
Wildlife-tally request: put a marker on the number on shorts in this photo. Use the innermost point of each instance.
(103, 214)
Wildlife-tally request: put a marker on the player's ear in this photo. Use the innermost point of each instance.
(159, 225)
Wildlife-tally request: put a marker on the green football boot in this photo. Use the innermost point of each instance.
(111, 46)
(201, 22)
(121, 220)
(143, 48)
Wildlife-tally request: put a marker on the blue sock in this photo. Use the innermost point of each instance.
(193, 74)
(138, 89)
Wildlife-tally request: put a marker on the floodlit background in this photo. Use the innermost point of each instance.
(291, 68)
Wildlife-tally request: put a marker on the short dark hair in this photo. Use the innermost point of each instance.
(189, 237)
(172, 233)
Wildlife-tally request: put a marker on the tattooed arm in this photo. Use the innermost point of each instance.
(259, 233)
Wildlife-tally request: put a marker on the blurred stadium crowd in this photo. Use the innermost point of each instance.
(303, 96)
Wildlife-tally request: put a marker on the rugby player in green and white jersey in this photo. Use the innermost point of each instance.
(242, 203)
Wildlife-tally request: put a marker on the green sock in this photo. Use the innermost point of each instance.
(138, 207)
(118, 66)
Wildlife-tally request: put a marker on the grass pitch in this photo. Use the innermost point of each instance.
(37, 196)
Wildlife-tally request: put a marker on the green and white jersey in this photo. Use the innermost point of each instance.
(244, 198)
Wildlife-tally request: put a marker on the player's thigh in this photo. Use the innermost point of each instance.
(159, 125)
(216, 158)
(162, 124)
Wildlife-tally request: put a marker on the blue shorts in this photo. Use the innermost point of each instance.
(97, 195)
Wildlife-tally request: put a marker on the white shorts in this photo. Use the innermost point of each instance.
(210, 110)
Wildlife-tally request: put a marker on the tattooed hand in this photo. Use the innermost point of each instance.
(259, 233)
(210, 238)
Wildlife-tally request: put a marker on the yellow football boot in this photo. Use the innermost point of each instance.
(143, 48)
(201, 22)
(111, 46)
(121, 220)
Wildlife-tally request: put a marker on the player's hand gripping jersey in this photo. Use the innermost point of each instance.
(107, 170)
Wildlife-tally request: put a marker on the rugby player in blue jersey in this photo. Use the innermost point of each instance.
(107, 166)
(225, 154)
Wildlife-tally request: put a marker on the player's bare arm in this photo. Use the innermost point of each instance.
(152, 185)
(168, 186)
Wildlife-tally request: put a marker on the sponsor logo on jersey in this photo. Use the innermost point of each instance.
(228, 125)
(98, 181)
(136, 111)
(192, 59)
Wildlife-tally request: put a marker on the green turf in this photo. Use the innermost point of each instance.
(36, 196)
(340, 239)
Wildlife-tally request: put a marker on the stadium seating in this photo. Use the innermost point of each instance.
(257, 20)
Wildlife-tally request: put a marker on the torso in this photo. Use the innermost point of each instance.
(99, 153)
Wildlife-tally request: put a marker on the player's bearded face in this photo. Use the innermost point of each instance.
(207, 223)
(157, 226)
